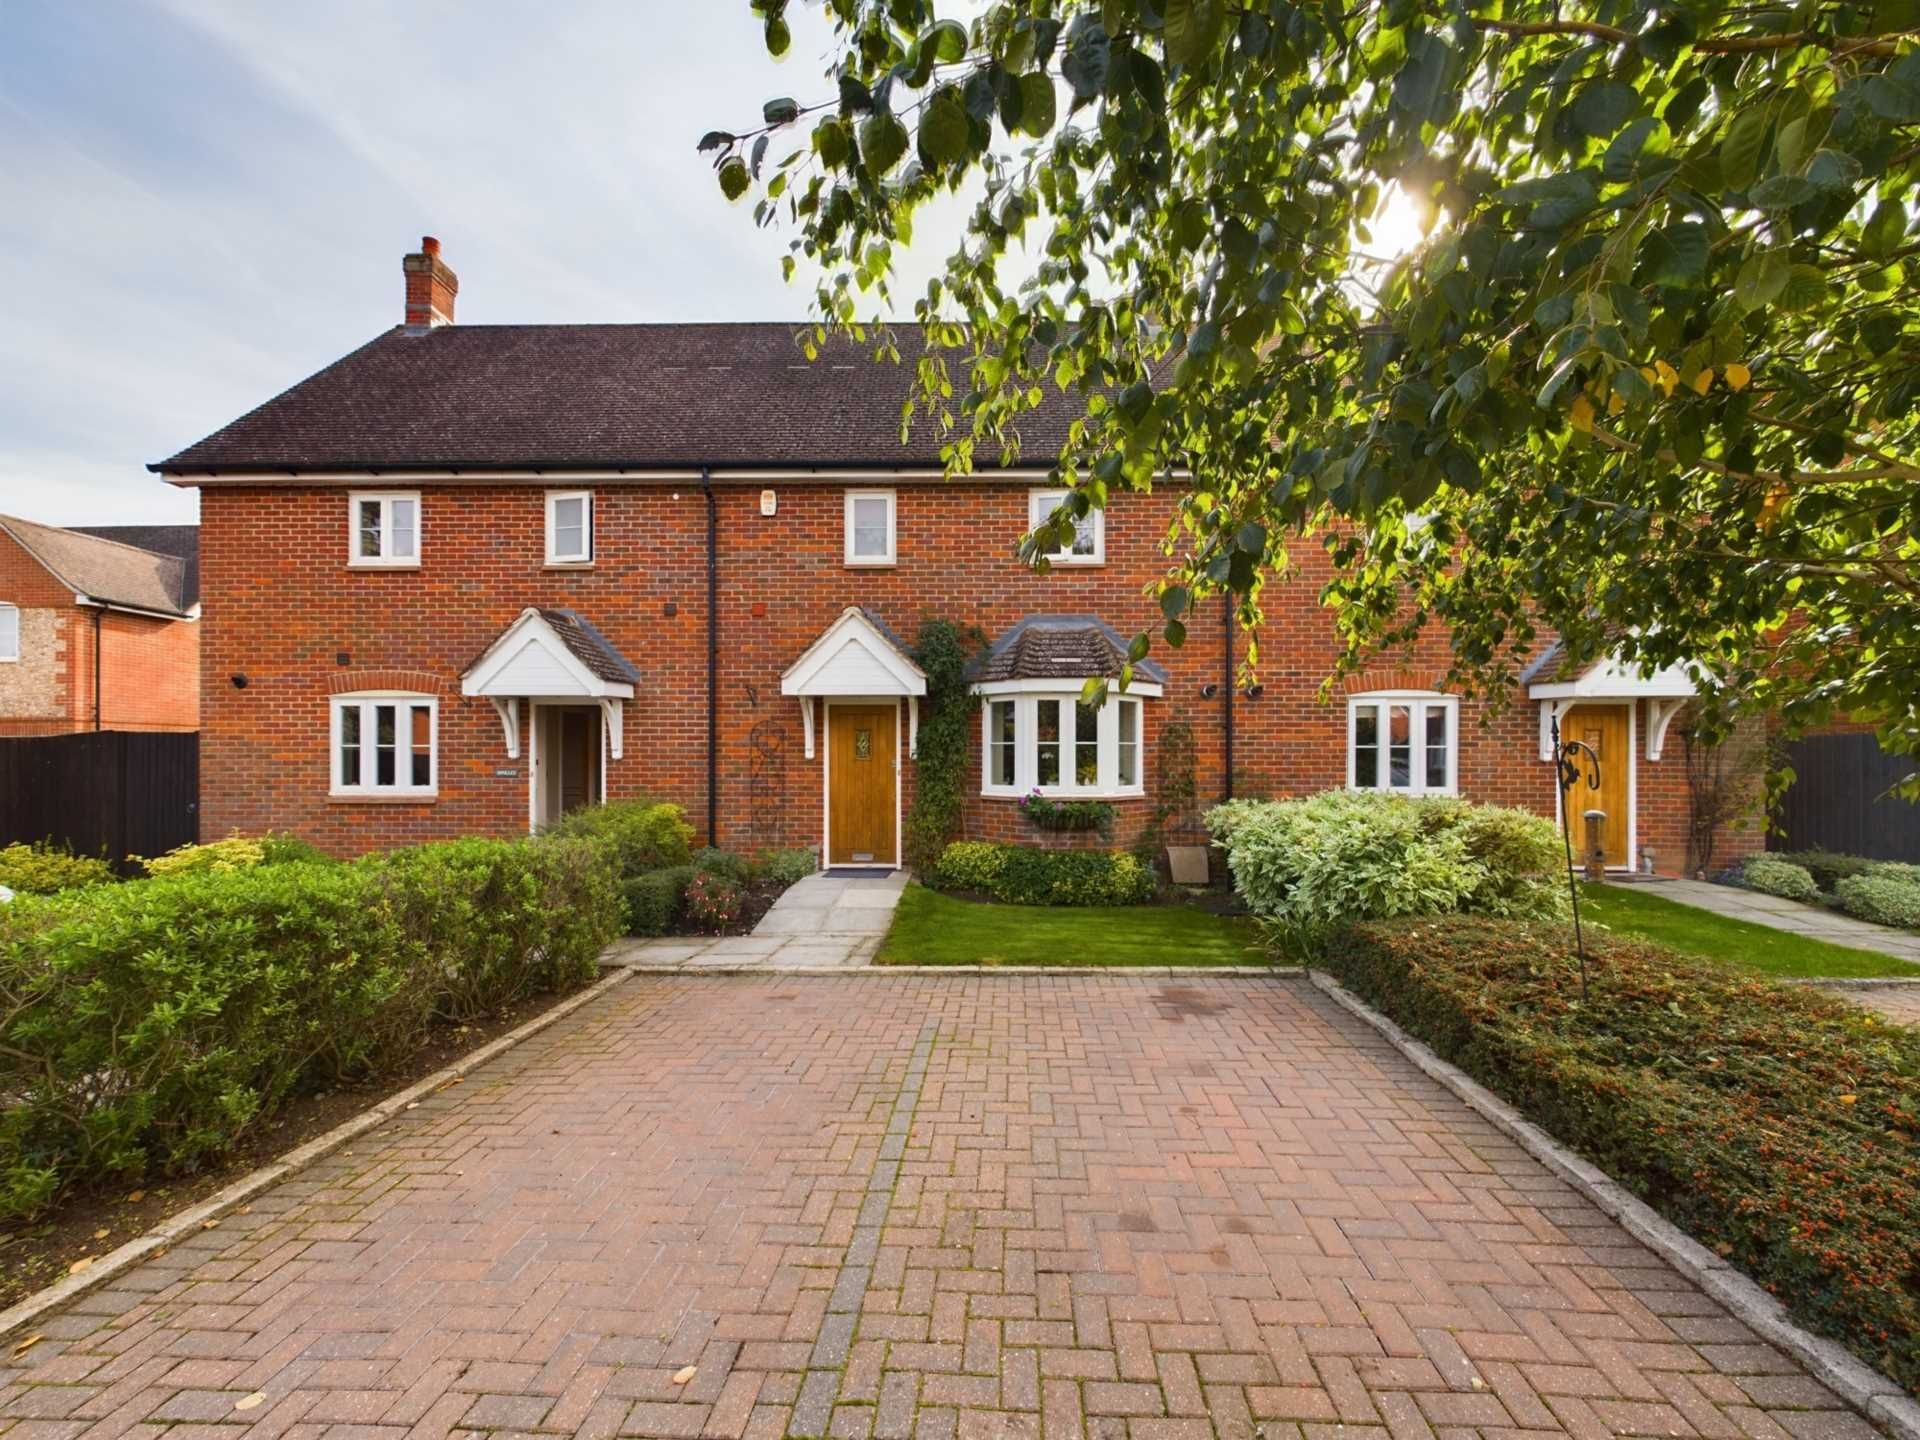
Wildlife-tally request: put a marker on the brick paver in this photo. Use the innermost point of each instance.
(891, 1207)
(1899, 1003)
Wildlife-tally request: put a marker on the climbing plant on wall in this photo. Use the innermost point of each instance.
(946, 732)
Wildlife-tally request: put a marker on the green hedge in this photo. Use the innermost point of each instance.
(1027, 875)
(1774, 1123)
(642, 835)
(1827, 867)
(1883, 896)
(147, 1027)
(46, 868)
(656, 901)
(1771, 875)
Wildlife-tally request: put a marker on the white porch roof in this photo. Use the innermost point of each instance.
(1612, 679)
(532, 658)
(854, 656)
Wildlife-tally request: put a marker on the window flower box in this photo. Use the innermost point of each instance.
(1045, 814)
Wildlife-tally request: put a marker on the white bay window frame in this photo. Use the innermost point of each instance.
(1027, 710)
(391, 554)
(1420, 705)
(353, 725)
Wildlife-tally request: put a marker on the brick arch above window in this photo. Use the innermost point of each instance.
(1381, 678)
(412, 682)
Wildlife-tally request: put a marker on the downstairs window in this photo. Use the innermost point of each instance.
(385, 744)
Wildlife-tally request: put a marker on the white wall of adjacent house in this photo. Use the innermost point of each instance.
(30, 686)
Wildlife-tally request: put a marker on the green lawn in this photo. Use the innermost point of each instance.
(1637, 912)
(933, 929)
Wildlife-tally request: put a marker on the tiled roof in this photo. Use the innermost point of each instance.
(590, 647)
(180, 541)
(105, 569)
(1061, 647)
(617, 397)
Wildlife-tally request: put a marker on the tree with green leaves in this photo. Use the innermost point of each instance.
(1648, 381)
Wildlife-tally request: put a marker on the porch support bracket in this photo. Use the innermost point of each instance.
(613, 710)
(1660, 715)
(508, 709)
(1551, 712)
(913, 727)
(806, 723)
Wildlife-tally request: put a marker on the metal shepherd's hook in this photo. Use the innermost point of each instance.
(1573, 759)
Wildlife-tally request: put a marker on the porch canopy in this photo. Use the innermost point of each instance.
(552, 655)
(856, 655)
(1666, 691)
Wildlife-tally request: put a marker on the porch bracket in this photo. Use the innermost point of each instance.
(508, 709)
(806, 723)
(1551, 713)
(1660, 715)
(614, 711)
(913, 727)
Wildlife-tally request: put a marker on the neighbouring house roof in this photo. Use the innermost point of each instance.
(1061, 647)
(105, 570)
(548, 652)
(599, 397)
(180, 541)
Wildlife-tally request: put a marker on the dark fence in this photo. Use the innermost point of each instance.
(109, 792)
(1840, 800)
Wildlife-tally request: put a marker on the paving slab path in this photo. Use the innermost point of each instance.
(896, 1206)
(827, 921)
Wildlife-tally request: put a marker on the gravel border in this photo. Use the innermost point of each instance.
(1856, 1382)
(118, 1262)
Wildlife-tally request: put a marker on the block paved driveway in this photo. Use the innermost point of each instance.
(912, 1206)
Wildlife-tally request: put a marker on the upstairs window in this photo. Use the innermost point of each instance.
(1089, 545)
(9, 632)
(870, 527)
(569, 527)
(383, 528)
(385, 744)
(1059, 746)
(1405, 743)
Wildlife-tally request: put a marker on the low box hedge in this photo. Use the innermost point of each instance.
(1777, 1124)
(1029, 875)
(146, 1027)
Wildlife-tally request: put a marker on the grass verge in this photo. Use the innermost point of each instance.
(934, 929)
(1775, 1123)
(1636, 913)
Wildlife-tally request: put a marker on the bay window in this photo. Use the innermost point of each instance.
(1403, 742)
(1058, 745)
(385, 744)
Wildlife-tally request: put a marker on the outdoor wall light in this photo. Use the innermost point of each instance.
(1209, 690)
(239, 682)
(1254, 692)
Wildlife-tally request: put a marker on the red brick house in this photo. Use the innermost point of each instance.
(469, 576)
(96, 633)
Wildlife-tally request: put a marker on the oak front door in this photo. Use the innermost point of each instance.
(1604, 727)
(861, 827)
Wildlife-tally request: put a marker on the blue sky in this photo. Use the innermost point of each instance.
(206, 200)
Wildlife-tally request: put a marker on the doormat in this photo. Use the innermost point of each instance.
(859, 872)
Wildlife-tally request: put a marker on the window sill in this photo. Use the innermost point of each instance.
(422, 797)
(852, 564)
(1058, 562)
(1064, 795)
(568, 565)
(383, 565)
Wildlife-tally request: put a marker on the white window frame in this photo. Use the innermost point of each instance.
(1042, 503)
(386, 559)
(1026, 747)
(554, 497)
(8, 608)
(1418, 703)
(893, 527)
(403, 787)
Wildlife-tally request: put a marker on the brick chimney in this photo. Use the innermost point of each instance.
(431, 285)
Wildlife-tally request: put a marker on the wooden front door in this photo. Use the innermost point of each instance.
(1604, 727)
(860, 780)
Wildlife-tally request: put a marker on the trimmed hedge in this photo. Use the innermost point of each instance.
(145, 1028)
(643, 836)
(45, 869)
(1771, 875)
(1774, 1123)
(1827, 867)
(657, 900)
(1883, 896)
(1027, 875)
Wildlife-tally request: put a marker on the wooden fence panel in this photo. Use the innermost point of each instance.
(1840, 800)
(109, 792)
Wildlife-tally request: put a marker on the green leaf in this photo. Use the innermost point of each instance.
(783, 111)
(1088, 57)
(734, 178)
(1740, 152)
(944, 128)
(1622, 159)
(1174, 601)
(1891, 100)
(1037, 106)
(883, 140)
(1675, 255)
(1603, 107)
(830, 141)
(1781, 192)
(778, 36)
(1192, 29)
(945, 41)
(1883, 233)
(1762, 277)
